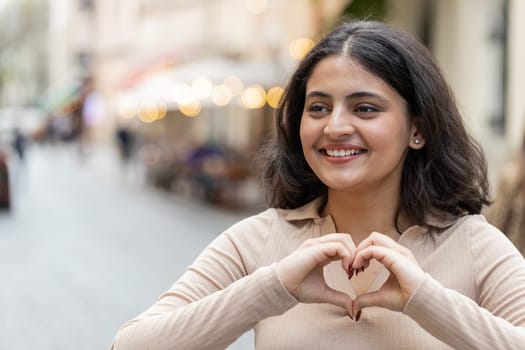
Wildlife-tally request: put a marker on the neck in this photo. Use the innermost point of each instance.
(360, 214)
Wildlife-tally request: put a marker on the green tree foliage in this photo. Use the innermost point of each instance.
(369, 9)
(23, 28)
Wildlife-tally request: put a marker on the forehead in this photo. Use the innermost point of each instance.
(341, 72)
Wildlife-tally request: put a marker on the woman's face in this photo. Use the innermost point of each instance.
(355, 131)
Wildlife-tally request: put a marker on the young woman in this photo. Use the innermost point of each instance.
(373, 239)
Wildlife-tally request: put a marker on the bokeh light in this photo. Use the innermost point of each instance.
(299, 47)
(182, 94)
(254, 97)
(191, 109)
(274, 96)
(202, 87)
(152, 111)
(221, 95)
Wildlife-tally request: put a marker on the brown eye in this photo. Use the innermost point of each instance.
(365, 109)
(317, 108)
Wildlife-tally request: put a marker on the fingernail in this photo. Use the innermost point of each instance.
(358, 316)
(350, 316)
(350, 272)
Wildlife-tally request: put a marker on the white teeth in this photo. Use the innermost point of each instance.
(343, 152)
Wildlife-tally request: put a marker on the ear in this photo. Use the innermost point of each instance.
(417, 140)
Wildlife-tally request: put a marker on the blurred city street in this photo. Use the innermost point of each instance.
(189, 90)
(87, 245)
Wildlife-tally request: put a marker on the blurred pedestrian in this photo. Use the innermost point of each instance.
(79, 131)
(373, 239)
(5, 188)
(19, 143)
(508, 211)
(126, 141)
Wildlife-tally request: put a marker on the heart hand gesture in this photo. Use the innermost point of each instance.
(301, 272)
(405, 273)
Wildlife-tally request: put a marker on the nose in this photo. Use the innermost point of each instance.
(338, 123)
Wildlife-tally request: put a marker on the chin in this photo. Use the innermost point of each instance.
(339, 185)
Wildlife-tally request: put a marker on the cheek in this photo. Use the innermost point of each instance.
(389, 134)
(304, 133)
(308, 137)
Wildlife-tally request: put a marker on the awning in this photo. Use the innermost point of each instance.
(216, 69)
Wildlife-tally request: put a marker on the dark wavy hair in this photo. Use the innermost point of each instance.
(449, 174)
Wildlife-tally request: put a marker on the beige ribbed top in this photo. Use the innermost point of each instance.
(472, 298)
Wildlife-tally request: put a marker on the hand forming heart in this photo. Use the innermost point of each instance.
(301, 272)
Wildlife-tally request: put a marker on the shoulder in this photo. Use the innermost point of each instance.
(281, 220)
(469, 253)
(486, 242)
(471, 237)
(261, 222)
(498, 267)
(476, 227)
(266, 237)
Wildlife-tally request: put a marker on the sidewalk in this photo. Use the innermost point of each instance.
(88, 246)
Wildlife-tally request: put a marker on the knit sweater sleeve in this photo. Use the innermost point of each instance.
(221, 296)
(496, 320)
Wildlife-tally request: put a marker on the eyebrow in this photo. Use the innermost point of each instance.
(358, 94)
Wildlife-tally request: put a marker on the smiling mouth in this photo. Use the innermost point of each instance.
(343, 152)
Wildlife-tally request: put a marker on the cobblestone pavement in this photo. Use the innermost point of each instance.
(87, 246)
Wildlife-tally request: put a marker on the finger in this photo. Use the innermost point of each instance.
(385, 256)
(338, 298)
(379, 239)
(346, 261)
(405, 268)
(389, 296)
(295, 268)
(342, 238)
(325, 253)
(365, 300)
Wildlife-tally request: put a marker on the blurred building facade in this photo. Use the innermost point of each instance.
(23, 65)
(162, 65)
(23, 70)
(478, 46)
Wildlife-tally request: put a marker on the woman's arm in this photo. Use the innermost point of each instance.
(496, 320)
(216, 300)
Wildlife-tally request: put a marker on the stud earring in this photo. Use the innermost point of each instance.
(416, 141)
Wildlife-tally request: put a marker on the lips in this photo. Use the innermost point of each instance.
(342, 152)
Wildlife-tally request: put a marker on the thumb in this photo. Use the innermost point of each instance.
(366, 300)
(338, 298)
